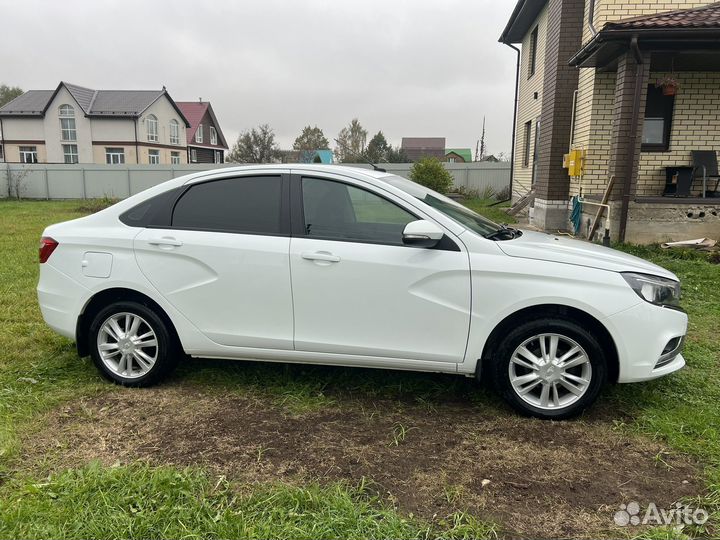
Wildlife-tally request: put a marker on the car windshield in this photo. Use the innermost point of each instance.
(455, 211)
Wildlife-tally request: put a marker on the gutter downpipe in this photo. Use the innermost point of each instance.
(137, 148)
(627, 183)
(515, 111)
(591, 17)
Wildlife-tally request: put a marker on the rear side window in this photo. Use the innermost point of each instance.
(244, 205)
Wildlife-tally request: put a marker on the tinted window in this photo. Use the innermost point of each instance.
(251, 205)
(337, 210)
(154, 212)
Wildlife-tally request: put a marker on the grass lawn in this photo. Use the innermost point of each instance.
(253, 450)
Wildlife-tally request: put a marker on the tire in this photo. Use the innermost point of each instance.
(145, 358)
(560, 389)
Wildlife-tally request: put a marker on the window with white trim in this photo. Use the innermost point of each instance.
(152, 128)
(175, 158)
(199, 134)
(218, 156)
(154, 157)
(70, 153)
(28, 154)
(114, 156)
(213, 135)
(174, 132)
(193, 155)
(68, 130)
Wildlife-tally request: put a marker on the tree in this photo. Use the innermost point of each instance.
(351, 142)
(377, 148)
(311, 139)
(255, 146)
(8, 93)
(396, 155)
(430, 173)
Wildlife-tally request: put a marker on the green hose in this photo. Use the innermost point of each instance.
(576, 214)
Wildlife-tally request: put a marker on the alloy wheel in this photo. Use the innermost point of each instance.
(127, 345)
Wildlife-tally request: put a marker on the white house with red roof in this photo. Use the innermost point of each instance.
(205, 140)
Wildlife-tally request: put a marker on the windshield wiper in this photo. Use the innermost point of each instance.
(504, 233)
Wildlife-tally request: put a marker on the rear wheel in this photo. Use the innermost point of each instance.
(552, 368)
(131, 345)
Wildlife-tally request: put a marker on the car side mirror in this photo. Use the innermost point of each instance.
(422, 233)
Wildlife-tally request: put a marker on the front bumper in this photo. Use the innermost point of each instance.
(641, 334)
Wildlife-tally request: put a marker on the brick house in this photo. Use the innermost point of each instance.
(74, 124)
(592, 76)
(206, 142)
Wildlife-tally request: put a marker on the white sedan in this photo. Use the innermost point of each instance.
(352, 267)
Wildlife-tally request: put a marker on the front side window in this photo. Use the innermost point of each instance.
(175, 158)
(657, 123)
(213, 135)
(28, 154)
(114, 156)
(68, 131)
(70, 153)
(335, 210)
(154, 157)
(152, 128)
(199, 134)
(174, 132)
(241, 205)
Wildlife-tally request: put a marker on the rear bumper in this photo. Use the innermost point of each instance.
(641, 334)
(60, 298)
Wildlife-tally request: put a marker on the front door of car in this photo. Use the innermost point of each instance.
(223, 262)
(357, 290)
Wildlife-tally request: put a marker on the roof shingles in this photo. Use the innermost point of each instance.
(701, 17)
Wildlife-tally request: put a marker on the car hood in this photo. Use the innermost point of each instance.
(560, 249)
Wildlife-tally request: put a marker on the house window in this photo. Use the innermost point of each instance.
(218, 156)
(658, 120)
(526, 144)
(28, 154)
(175, 158)
(152, 128)
(193, 155)
(199, 134)
(68, 132)
(154, 157)
(70, 152)
(532, 52)
(213, 135)
(174, 132)
(451, 160)
(114, 156)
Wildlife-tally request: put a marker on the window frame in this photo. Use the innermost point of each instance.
(65, 148)
(527, 136)
(668, 111)
(174, 132)
(153, 154)
(285, 230)
(213, 135)
(193, 155)
(175, 158)
(532, 52)
(109, 155)
(199, 135)
(152, 134)
(298, 213)
(68, 127)
(25, 151)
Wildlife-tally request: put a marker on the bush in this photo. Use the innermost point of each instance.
(430, 173)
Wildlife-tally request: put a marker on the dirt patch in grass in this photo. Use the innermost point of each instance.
(536, 479)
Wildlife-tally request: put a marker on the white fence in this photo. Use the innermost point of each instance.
(54, 181)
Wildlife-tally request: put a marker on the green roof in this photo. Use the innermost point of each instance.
(464, 153)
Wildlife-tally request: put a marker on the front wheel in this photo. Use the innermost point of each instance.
(551, 368)
(131, 345)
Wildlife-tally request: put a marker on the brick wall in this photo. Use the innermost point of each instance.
(695, 126)
(528, 106)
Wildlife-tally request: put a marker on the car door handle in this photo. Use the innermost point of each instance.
(320, 256)
(165, 241)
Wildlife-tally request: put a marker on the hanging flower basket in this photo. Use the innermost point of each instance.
(669, 86)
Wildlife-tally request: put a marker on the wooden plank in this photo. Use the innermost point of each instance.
(522, 203)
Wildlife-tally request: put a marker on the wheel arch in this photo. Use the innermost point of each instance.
(106, 297)
(558, 310)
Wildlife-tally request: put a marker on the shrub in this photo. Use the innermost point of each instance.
(430, 173)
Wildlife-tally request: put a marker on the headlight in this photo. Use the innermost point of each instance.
(654, 289)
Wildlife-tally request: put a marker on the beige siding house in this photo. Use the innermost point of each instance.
(635, 87)
(73, 124)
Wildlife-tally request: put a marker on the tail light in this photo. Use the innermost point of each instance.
(47, 246)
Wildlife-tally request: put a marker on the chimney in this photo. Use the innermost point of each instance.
(200, 100)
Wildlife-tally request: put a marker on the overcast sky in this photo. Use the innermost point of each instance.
(407, 67)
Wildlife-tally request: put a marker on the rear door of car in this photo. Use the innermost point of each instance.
(223, 259)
